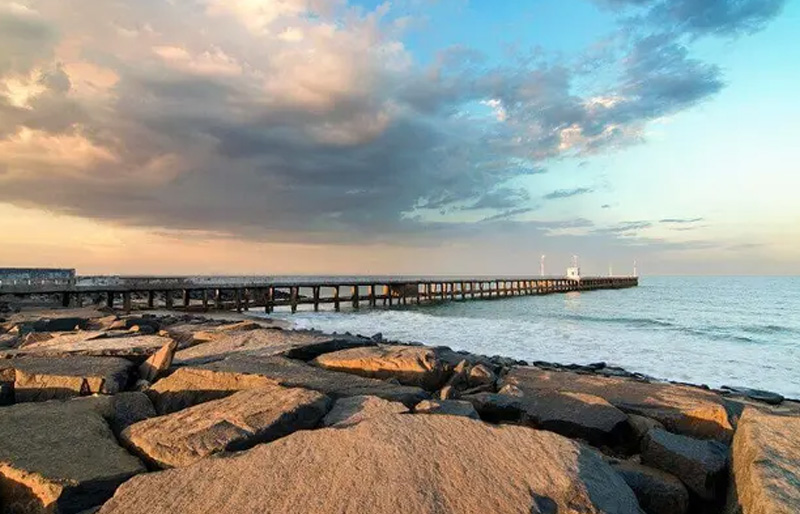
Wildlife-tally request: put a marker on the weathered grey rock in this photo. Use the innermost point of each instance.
(59, 457)
(459, 378)
(391, 464)
(641, 425)
(657, 492)
(97, 344)
(766, 464)
(448, 407)
(480, 375)
(701, 465)
(46, 378)
(237, 422)
(193, 385)
(410, 365)
(66, 324)
(355, 409)
(681, 409)
(268, 342)
(127, 409)
(158, 363)
(575, 415)
(767, 397)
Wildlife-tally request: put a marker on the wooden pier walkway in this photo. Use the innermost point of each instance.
(181, 293)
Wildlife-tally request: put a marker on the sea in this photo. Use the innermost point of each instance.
(718, 331)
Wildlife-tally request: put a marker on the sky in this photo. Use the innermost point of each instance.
(404, 137)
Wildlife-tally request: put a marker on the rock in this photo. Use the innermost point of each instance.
(158, 363)
(237, 422)
(701, 465)
(757, 394)
(575, 415)
(129, 408)
(67, 324)
(448, 393)
(657, 492)
(193, 385)
(40, 379)
(411, 365)
(480, 375)
(97, 344)
(459, 379)
(681, 409)
(766, 464)
(294, 344)
(390, 464)
(142, 330)
(641, 425)
(347, 412)
(448, 407)
(59, 457)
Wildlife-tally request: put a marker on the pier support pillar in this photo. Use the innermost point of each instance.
(336, 305)
(371, 294)
(270, 303)
(110, 299)
(218, 299)
(293, 298)
(237, 299)
(418, 297)
(247, 293)
(126, 301)
(168, 297)
(187, 297)
(354, 297)
(315, 292)
(65, 299)
(151, 299)
(205, 300)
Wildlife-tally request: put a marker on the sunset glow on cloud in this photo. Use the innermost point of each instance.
(271, 136)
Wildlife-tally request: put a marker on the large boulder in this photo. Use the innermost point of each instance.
(237, 422)
(192, 385)
(419, 366)
(766, 464)
(681, 409)
(390, 464)
(40, 379)
(355, 409)
(295, 344)
(576, 415)
(59, 457)
(701, 465)
(658, 492)
(98, 344)
(158, 363)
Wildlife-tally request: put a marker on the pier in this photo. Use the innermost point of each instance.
(243, 294)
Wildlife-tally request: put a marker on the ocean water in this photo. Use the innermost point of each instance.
(735, 331)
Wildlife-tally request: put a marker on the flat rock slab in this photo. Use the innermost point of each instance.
(576, 415)
(295, 344)
(681, 409)
(235, 423)
(90, 343)
(766, 464)
(59, 457)
(387, 465)
(447, 407)
(701, 465)
(192, 385)
(657, 492)
(419, 366)
(355, 409)
(49, 378)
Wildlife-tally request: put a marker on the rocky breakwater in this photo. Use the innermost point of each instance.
(146, 414)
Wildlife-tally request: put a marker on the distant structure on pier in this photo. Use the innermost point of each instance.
(36, 276)
(574, 271)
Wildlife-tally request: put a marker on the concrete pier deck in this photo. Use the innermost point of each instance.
(203, 294)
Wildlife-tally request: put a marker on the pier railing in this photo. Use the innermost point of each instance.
(244, 293)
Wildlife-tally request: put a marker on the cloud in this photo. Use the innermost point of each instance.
(680, 220)
(702, 17)
(567, 193)
(310, 120)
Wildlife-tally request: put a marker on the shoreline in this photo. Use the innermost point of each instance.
(175, 390)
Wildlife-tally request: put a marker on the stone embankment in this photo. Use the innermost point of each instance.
(180, 414)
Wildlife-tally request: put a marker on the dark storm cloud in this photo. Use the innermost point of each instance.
(213, 124)
(567, 193)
